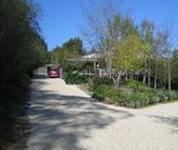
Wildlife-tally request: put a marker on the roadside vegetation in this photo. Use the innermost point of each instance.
(22, 49)
(132, 93)
(125, 49)
(139, 60)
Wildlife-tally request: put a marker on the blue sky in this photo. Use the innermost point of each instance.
(61, 19)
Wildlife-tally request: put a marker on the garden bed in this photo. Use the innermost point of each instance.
(133, 94)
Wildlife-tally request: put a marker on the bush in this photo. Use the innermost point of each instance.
(98, 81)
(136, 94)
(133, 100)
(75, 78)
(105, 91)
(136, 85)
(172, 95)
(167, 95)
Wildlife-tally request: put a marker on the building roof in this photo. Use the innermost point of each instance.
(93, 55)
(90, 57)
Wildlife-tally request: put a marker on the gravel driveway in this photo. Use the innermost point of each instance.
(65, 118)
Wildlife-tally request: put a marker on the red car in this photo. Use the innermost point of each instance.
(53, 72)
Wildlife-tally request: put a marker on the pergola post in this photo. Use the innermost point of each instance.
(94, 62)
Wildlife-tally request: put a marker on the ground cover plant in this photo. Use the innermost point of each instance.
(76, 78)
(134, 93)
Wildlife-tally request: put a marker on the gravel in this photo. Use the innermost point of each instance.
(63, 117)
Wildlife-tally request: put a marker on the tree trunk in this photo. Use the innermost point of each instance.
(149, 73)
(110, 66)
(169, 75)
(145, 71)
(144, 77)
(155, 76)
(149, 79)
(164, 82)
(108, 61)
(117, 82)
(155, 81)
(131, 76)
(126, 76)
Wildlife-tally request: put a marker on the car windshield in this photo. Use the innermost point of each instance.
(53, 68)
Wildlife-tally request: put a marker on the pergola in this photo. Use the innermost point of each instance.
(87, 58)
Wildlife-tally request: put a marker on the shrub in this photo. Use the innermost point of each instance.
(136, 95)
(136, 85)
(144, 98)
(167, 95)
(75, 78)
(172, 95)
(105, 91)
(137, 99)
(134, 99)
(98, 96)
(98, 81)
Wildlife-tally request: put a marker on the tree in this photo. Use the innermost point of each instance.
(19, 38)
(164, 38)
(57, 55)
(129, 55)
(21, 50)
(174, 69)
(74, 47)
(103, 29)
(147, 34)
(71, 49)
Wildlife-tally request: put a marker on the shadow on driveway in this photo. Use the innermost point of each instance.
(58, 122)
(172, 121)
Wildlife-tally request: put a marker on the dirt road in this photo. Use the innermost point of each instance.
(65, 118)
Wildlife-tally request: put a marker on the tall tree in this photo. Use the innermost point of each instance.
(147, 33)
(71, 49)
(74, 46)
(174, 69)
(130, 55)
(164, 37)
(21, 49)
(103, 28)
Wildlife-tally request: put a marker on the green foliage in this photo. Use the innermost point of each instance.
(136, 85)
(21, 50)
(135, 100)
(104, 91)
(174, 66)
(135, 95)
(167, 95)
(102, 87)
(70, 49)
(74, 46)
(98, 81)
(129, 54)
(75, 78)
(145, 98)
(65, 55)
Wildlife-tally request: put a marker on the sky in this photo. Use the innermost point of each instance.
(62, 19)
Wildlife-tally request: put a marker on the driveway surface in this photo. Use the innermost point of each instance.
(65, 118)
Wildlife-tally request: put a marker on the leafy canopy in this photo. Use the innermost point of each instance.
(129, 54)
